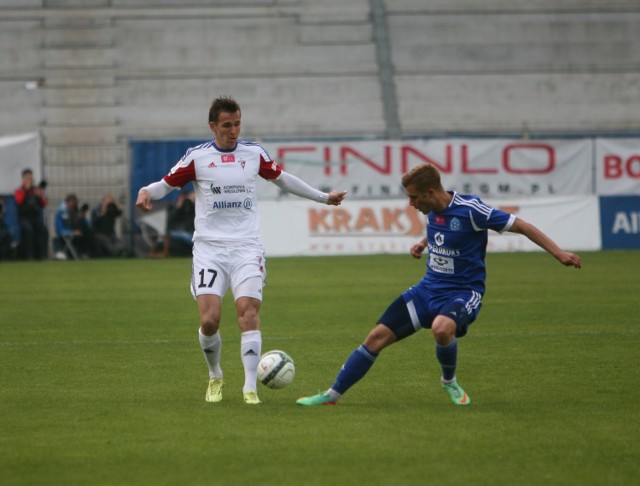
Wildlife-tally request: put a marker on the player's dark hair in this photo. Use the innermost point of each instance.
(224, 103)
(423, 176)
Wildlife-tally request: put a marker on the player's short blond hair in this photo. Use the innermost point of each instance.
(423, 176)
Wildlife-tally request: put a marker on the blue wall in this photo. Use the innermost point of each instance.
(620, 222)
(151, 160)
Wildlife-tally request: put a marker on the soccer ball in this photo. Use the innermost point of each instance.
(276, 369)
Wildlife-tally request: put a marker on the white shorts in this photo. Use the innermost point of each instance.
(217, 267)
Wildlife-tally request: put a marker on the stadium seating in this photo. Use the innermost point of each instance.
(93, 74)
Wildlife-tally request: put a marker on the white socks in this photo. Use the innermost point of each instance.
(211, 346)
(250, 351)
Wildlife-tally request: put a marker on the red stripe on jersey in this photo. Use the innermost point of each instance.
(269, 169)
(181, 174)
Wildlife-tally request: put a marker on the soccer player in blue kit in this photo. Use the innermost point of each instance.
(448, 299)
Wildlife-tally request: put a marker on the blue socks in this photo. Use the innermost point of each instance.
(362, 359)
(354, 369)
(448, 359)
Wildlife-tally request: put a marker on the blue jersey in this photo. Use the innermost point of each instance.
(457, 243)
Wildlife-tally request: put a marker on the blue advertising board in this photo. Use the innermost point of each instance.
(620, 222)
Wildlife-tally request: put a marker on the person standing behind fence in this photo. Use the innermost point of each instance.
(31, 202)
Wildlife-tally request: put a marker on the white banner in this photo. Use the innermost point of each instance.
(572, 222)
(18, 152)
(490, 168)
(300, 227)
(617, 166)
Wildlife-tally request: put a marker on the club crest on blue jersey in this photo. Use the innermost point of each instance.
(455, 225)
(439, 238)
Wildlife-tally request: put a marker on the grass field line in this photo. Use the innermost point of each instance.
(81, 342)
(502, 334)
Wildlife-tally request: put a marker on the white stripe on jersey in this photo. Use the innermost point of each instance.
(474, 203)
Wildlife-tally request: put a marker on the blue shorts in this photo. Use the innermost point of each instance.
(418, 307)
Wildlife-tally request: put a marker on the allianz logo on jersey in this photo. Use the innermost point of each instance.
(246, 204)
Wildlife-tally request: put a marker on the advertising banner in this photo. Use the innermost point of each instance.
(300, 227)
(620, 222)
(617, 166)
(490, 168)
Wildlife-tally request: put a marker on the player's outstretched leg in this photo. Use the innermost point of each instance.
(352, 371)
(456, 393)
(322, 398)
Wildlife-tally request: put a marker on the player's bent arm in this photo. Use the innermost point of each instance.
(418, 249)
(298, 187)
(543, 241)
(152, 192)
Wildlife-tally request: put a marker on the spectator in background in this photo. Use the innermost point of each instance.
(73, 233)
(6, 250)
(103, 222)
(180, 226)
(31, 201)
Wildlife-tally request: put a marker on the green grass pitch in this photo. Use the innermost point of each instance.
(103, 381)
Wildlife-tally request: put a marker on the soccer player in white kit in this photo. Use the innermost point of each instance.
(227, 249)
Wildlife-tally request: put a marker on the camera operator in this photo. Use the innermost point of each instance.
(107, 243)
(31, 201)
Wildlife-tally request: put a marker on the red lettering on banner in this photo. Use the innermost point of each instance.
(407, 150)
(465, 164)
(282, 152)
(633, 162)
(612, 167)
(551, 158)
(516, 159)
(616, 167)
(345, 151)
(327, 161)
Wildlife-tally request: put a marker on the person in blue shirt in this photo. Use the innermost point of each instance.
(72, 225)
(448, 299)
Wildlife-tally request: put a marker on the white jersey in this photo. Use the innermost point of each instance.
(225, 189)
